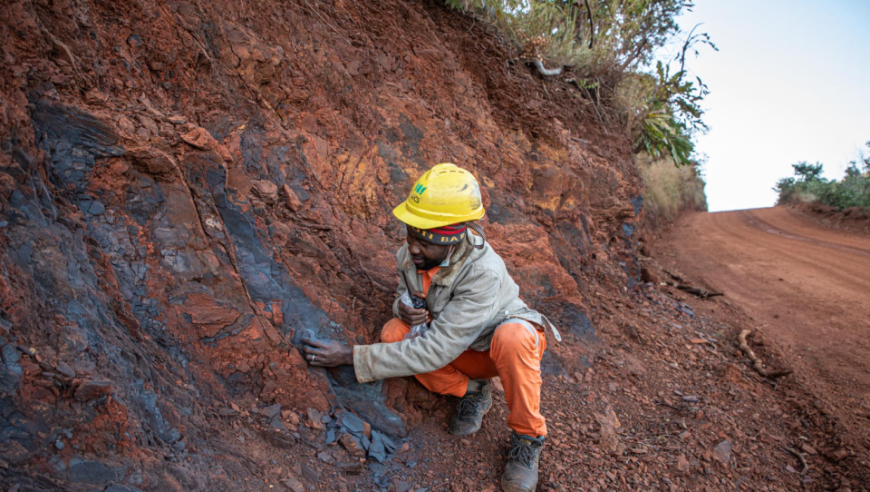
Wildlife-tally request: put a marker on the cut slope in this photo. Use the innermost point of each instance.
(188, 186)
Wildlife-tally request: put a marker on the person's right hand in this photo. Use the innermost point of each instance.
(411, 315)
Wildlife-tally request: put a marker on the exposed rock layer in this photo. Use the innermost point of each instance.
(187, 186)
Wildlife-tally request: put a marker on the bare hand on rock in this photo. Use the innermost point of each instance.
(327, 353)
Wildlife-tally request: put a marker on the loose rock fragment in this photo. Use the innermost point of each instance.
(352, 445)
(271, 411)
(722, 451)
(90, 390)
(293, 484)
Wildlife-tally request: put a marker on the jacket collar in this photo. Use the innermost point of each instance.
(447, 275)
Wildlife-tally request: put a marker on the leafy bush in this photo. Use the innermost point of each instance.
(809, 186)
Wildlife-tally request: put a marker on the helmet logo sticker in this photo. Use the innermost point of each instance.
(419, 189)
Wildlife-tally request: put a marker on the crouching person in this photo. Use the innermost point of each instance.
(474, 325)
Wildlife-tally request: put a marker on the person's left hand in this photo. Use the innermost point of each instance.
(327, 353)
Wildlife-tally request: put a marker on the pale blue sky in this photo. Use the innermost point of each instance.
(791, 82)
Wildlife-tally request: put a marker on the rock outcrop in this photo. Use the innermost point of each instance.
(188, 186)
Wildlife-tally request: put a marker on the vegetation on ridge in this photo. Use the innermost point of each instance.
(609, 45)
(808, 185)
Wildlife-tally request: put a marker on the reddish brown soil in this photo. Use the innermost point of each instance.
(185, 187)
(803, 285)
(855, 219)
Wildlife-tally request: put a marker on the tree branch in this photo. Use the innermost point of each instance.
(546, 72)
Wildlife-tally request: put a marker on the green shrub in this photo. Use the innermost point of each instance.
(808, 186)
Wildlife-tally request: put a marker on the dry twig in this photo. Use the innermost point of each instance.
(800, 457)
(695, 291)
(681, 284)
(546, 72)
(756, 362)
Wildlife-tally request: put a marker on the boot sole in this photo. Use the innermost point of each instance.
(506, 487)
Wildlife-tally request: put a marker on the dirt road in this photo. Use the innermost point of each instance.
(807, 287)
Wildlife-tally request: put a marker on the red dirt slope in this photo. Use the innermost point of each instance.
(185, 187)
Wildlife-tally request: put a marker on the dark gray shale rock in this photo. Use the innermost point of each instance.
(62, 256)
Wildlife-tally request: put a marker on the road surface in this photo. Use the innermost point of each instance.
(806, 286)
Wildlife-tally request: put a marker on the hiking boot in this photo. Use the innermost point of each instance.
(521, 472)
(470, 410)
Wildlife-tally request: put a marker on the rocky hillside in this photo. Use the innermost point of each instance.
(188, 186)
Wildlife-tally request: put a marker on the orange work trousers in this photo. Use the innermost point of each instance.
(514, 356)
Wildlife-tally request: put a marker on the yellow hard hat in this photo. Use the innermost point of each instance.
(444, 195)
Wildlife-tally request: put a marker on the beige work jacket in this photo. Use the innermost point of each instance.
(467, 299)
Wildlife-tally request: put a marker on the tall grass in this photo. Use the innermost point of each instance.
(669, 190)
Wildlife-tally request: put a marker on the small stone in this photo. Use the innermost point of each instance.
(352, 423)
(267, 190)
(310, 474)
(293, 484)
(839, 454)
(806, 448)
(790, 469)
(65, 369)
(200, 138)
(683, 465)
(293, 202)
(278, 425)
(314, 419)
(351, 445)
(84, 368)
(722, 451)
(90, 390)
(271, 411)
(97, 208)
(290, 416)
(377, 449)
(325, 457)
